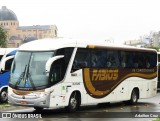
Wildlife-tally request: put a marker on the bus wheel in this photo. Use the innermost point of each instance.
(3, 96)
(73, 103)
(38, 108)
(134, 97)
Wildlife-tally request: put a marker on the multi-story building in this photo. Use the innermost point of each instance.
(21, 34)
(143, 41)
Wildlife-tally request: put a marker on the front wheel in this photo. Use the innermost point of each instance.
(3, 96)
(73, 103)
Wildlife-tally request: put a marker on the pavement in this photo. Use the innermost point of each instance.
(11, 107)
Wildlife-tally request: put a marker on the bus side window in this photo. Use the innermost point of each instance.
(1, 57)
(152, 59)
(8, 64)
(82, 59)
(57, 71)
(113, 59)
(122, 59)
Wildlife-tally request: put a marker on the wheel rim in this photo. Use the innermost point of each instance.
(73, 102)
(4, 96)
(134, 97)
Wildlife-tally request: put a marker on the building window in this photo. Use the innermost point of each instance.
(40, 36)
(17, 44)
(55, 33)
(19, 36)
(44, 32)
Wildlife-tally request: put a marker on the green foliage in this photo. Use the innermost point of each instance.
(156, 48)
(158, 119)
(3, 37)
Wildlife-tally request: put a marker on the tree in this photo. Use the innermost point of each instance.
(156, 48)
(3, 37)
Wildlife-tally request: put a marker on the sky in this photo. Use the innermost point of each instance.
(116, 20)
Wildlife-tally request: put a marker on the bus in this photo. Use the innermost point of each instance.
(158, 86)
(7, 55)
(2, 52)
(60, 72)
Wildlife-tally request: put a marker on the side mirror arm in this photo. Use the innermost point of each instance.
(50, 61)
(3, 62)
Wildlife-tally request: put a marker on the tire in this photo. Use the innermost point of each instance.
(73, 103)
(134, 98)
(4, 96)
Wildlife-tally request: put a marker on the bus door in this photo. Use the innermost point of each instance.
(58, 69)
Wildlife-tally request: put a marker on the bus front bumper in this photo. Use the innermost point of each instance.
(30, 102)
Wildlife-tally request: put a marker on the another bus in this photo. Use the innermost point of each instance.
(158, 86)
(5, 66)
(2, 52)
(68, 73)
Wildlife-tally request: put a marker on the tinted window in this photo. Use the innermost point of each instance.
(103, 58)
(82, 59)
(59, 67)
(158, 57)
(137, 59)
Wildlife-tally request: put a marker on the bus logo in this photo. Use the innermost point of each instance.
(104, 74)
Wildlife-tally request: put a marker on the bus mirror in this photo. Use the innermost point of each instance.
(50, 61)
(3, 62)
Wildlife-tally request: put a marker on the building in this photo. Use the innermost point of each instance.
(143, 41)
(18, 35)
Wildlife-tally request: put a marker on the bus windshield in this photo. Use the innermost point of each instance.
(28, 70)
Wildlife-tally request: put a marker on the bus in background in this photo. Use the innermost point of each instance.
(5, 66)
(2, 52)
(70, 73)
(158, 85)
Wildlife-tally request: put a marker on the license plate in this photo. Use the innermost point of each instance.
(24, 102)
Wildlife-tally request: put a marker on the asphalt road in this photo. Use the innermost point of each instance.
(145, 110)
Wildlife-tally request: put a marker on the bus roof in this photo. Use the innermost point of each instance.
(56, 43)
(6, 50)
(2, 51)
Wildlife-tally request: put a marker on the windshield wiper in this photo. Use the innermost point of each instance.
(27, 77)
(21, 77)
(31, 81)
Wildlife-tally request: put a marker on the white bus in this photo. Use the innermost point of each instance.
(68, 73)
